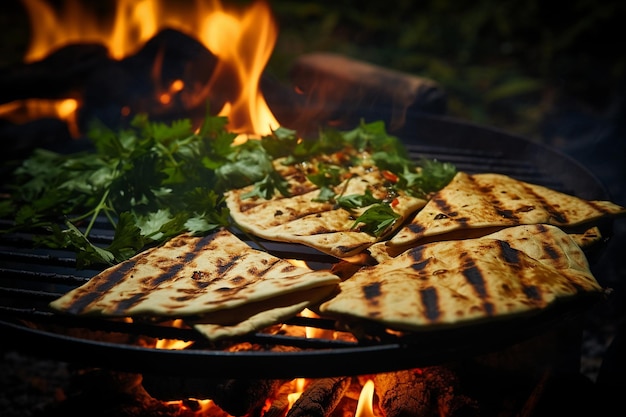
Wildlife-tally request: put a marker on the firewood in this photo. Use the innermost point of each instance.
(334, 84)
(237, 397)
(402, 394)
(280, 403)
(445, 387)
(320, 398)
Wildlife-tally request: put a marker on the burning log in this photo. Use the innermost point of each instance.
(237, 397)
(61, 74)
(320, 398)
(402, 394)
(417, 392)
(445, 387)
(334, 85)
(138, 82)
(280, 402)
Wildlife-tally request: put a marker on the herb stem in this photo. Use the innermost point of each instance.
(96, 212)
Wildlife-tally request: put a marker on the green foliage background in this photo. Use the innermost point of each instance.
(503, 63)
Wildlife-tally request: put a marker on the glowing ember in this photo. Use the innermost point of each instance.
(242, 39)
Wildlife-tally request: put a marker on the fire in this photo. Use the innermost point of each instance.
(365, 406)
(22, 111)
(173, 344)
(242, 39)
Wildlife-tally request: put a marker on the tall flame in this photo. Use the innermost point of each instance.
(242, 39)
(365, 407)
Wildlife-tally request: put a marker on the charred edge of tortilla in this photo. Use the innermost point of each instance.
(460, 234)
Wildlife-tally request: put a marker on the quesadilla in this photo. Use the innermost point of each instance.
(302, 217)
(518, 270)
(476, 204)
(217, 278)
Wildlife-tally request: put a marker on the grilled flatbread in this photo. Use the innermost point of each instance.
(588, 238)
(195, 277)
(517, 270)
(483, 202)
(320, 225)
(257, 316)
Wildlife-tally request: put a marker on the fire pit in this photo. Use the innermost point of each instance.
(434, 362)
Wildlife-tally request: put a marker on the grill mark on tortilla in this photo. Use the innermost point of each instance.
(506, 213)
(443, 205)
(417, 253)
(488, 191)
(558, 216)
(430, 301)
(123, 305)
(510, 255)
(255, 271)
(475, 278)
(416, 228)
(156, 281)
(223, 265)
(552, 252)
(80, 303)
(172, 270)
(532, 292)
(372, 293)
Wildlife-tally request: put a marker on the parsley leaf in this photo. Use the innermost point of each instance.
(376, 220)
(353, 201)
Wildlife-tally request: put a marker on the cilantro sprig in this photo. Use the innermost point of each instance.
(153, 181)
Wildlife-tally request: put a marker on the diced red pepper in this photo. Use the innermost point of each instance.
(395, 202)
(390, 176)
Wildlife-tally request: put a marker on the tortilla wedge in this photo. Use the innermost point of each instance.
(301, 219)
(197, 278)
(480, 203)
(257, 316)
(518, 270)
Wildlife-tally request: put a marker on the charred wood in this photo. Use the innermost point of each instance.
(280, 402)
(237, 397)
(128, 83)
(445, 387)
(333, 85)
(402, 394)
(320, 398)
(60, 74)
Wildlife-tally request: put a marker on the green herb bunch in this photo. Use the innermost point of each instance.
(154, 181)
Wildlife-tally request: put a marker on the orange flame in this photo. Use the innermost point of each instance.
(242, 39)
(22, 111)
(365, 407)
